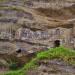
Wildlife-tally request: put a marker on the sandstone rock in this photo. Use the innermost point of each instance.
(37, 24)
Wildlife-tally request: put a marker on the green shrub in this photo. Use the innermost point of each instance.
(13, 66)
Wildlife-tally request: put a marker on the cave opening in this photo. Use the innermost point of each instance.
(18, 51)
(56, 43)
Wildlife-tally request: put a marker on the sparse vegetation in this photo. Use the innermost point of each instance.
(54, 53)
(41, 24)
(11, 8)
(3, 0)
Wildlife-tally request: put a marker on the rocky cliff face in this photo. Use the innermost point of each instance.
(33, 25)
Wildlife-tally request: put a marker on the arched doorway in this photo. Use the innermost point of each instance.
(56, 43)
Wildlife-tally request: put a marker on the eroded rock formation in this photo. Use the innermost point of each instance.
(34, 25)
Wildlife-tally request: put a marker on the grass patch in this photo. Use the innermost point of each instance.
(3, 0)
(53, 53)
(10, 8)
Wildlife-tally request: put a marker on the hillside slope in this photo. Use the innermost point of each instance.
(34, 18)
(57, 61)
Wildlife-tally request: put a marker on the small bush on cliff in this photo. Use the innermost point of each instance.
(13, 66)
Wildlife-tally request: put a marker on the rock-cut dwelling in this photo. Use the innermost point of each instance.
(53, 37)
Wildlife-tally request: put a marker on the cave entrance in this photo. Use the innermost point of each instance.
(18, 51)
(56, 43)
